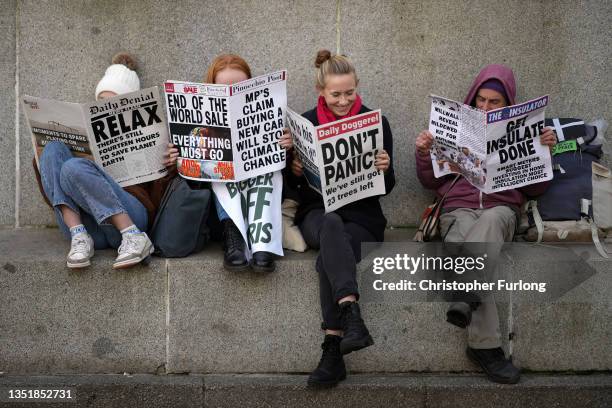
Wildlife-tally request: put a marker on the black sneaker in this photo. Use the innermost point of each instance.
(494, 363)
(234, 258)
(331, 369)
(263, 262)
(356, 335)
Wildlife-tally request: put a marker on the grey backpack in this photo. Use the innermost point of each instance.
(180, 225)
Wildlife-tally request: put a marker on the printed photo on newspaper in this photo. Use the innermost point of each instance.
(338, 157)
(125, 135)
(228, 132)
(496, 150)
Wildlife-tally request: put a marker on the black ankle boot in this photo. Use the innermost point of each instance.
(356, 335)
(460, 313)
(263, 262)
(331, 369)
(495, 364)
(233, 247)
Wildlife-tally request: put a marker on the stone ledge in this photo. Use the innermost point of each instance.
(190, 316)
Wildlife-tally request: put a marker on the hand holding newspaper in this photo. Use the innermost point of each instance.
(496, 150)
(126, 135)
(228, 132)
(338, 157)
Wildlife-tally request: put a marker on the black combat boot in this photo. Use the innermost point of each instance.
(263, 262)
(233, 246)
(495, 364)
(331, 369)
(356, 335)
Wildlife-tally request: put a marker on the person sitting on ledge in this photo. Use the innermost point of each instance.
(91, 209)
(338, 234)
(469, 215)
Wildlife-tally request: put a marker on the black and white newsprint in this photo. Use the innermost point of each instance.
(126, 135)
(496, 150)
(338, 157)
(228, 133)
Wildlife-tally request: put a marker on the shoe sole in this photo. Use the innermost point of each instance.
(325, 384)
(346, 348)
(236, 268)
(263, 269)
(79, 265)
(82, 264)
(492, 377)
(135, 261)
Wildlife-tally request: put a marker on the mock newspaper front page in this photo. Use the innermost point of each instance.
(125, 135)
(257, 116)
(494, 151)
(515, 156)
(343, 154)
(228, 133)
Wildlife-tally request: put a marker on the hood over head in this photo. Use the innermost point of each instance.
(499, 72)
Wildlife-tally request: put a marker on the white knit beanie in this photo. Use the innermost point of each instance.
(119, 78)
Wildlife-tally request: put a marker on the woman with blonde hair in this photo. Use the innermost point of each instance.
(339, 234)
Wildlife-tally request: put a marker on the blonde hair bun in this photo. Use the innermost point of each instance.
(328, 64)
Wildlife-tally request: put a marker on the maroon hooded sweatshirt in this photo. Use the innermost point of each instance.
(463, 194)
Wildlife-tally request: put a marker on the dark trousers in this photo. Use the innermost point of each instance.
(339, 245)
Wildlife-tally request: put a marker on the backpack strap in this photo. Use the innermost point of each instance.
(557, 167)
(532, 206)
(584, 212)
(429, 221)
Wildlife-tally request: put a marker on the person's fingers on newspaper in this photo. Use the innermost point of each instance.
(296, 167)
(171, 155)
(285, 140)
(424, 142)
(548, 137)
(382, 161)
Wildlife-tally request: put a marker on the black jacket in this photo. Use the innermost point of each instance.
(365, 212)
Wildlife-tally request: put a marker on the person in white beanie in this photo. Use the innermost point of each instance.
(91, 209)
(119, 78)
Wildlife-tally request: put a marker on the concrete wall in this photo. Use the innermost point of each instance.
(403, 50)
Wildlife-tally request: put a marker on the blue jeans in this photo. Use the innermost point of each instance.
(84, 187)
(221, 213)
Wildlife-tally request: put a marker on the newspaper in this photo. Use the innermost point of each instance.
(125, 135)
(496, 150)
(228, 132)
(255, 207)
(338, 157)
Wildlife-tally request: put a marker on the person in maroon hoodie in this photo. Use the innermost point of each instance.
(469, 215)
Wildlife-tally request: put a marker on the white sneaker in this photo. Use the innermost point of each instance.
(134, 249)
(81, 251)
